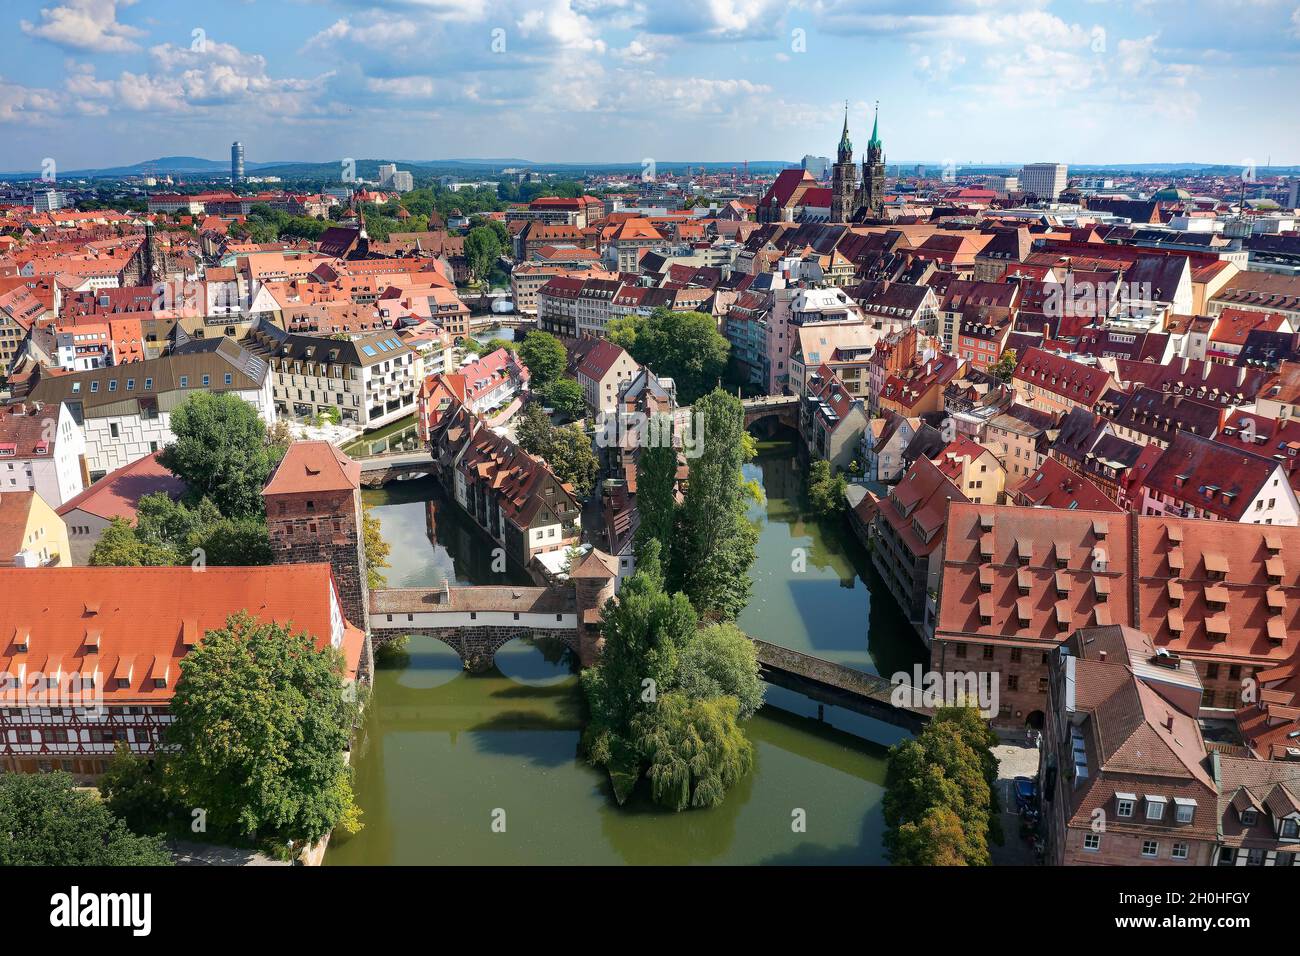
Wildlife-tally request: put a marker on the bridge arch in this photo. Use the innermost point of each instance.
(476, 646)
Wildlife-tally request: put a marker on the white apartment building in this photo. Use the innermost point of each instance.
(371, 379)
(42, 449)
(125, 410)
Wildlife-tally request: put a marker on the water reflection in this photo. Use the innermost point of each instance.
(443, 749)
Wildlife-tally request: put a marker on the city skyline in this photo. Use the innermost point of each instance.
(98, 83)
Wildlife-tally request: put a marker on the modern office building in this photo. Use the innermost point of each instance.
(237, 162)
(1044, 180)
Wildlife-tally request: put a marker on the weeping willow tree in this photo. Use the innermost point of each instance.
(696, 749)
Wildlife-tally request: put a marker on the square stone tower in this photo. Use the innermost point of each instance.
(313, 514)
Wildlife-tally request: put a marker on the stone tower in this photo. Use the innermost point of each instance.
(313, 514)
(844, 177)
(873, 174)
(593, 580)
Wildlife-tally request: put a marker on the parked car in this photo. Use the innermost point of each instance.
(1026, 789)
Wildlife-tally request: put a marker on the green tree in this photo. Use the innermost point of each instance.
(221, 452)
(134, 788)
(716, 544)
(645, 631)
(533, 430)
(686, 346)
(695, 748)
(565, 396)
(572, 459)
(720, 661)
(376, 548)
(656, 489)
(44, 821)
(118, 546)
(482, 247)
(545, 357)
(1006, 365)
(938, 773)
(826, 490)
(261, 722)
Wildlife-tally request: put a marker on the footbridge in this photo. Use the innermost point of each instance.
(475, 621)
(381, 469)
(829, 683)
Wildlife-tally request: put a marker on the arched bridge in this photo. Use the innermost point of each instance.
(784, 408)
(381, 469)
(474, 621)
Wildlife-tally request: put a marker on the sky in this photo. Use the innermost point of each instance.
(98, 83)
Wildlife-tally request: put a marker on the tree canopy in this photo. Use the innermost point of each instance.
(940, 801)
(685, 346)
(221, 452)
(44, 821)
(715, 544)
(666, 698)
(545, 357)
(567, 449)
(171, 533)
(261, 722)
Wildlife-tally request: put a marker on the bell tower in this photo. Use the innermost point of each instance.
(873, 173)
(844, 178)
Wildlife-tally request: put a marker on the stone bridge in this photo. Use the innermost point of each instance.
(835, 684)
(381, 469)
(783, 408)
(475, 621)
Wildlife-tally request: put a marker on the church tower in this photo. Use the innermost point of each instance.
(873, 174)
(844, 177)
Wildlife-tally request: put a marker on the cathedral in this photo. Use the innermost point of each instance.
(849, 201)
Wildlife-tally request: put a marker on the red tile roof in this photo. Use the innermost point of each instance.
(313, 466)
(143, 617)
(118, 494)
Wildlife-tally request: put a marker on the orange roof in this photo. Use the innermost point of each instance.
(313, 466)
(143, 617)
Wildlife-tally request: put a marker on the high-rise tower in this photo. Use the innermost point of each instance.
(844, 177)
(236, 162)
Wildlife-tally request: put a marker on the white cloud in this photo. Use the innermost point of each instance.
(27, 105)
(405, 87)
(85, 25)
(188, 81)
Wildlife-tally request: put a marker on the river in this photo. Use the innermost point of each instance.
(461, 769)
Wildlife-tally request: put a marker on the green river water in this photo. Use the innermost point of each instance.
(461, 769)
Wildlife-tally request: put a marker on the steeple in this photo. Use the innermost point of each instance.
(875, 128)
(846, 145)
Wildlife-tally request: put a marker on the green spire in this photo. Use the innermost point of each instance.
(875, 128)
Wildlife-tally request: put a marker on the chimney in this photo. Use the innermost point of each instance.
(1169, 723)
(1101, 656)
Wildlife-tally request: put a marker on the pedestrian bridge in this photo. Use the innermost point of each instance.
(474, 621)
(829, 683)
(381, 469)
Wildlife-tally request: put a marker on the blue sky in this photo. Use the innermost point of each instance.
(106, 82)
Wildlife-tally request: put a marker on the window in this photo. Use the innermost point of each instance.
(1155, 808)
(1184, 810)
(1290, 829)
(1179, 852)
(1123, 806)
(185, 381)
(1150, 848)
(1248, 818)
(1092, 842)
(229, 379)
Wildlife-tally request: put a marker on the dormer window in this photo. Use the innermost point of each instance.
(1249, 818)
